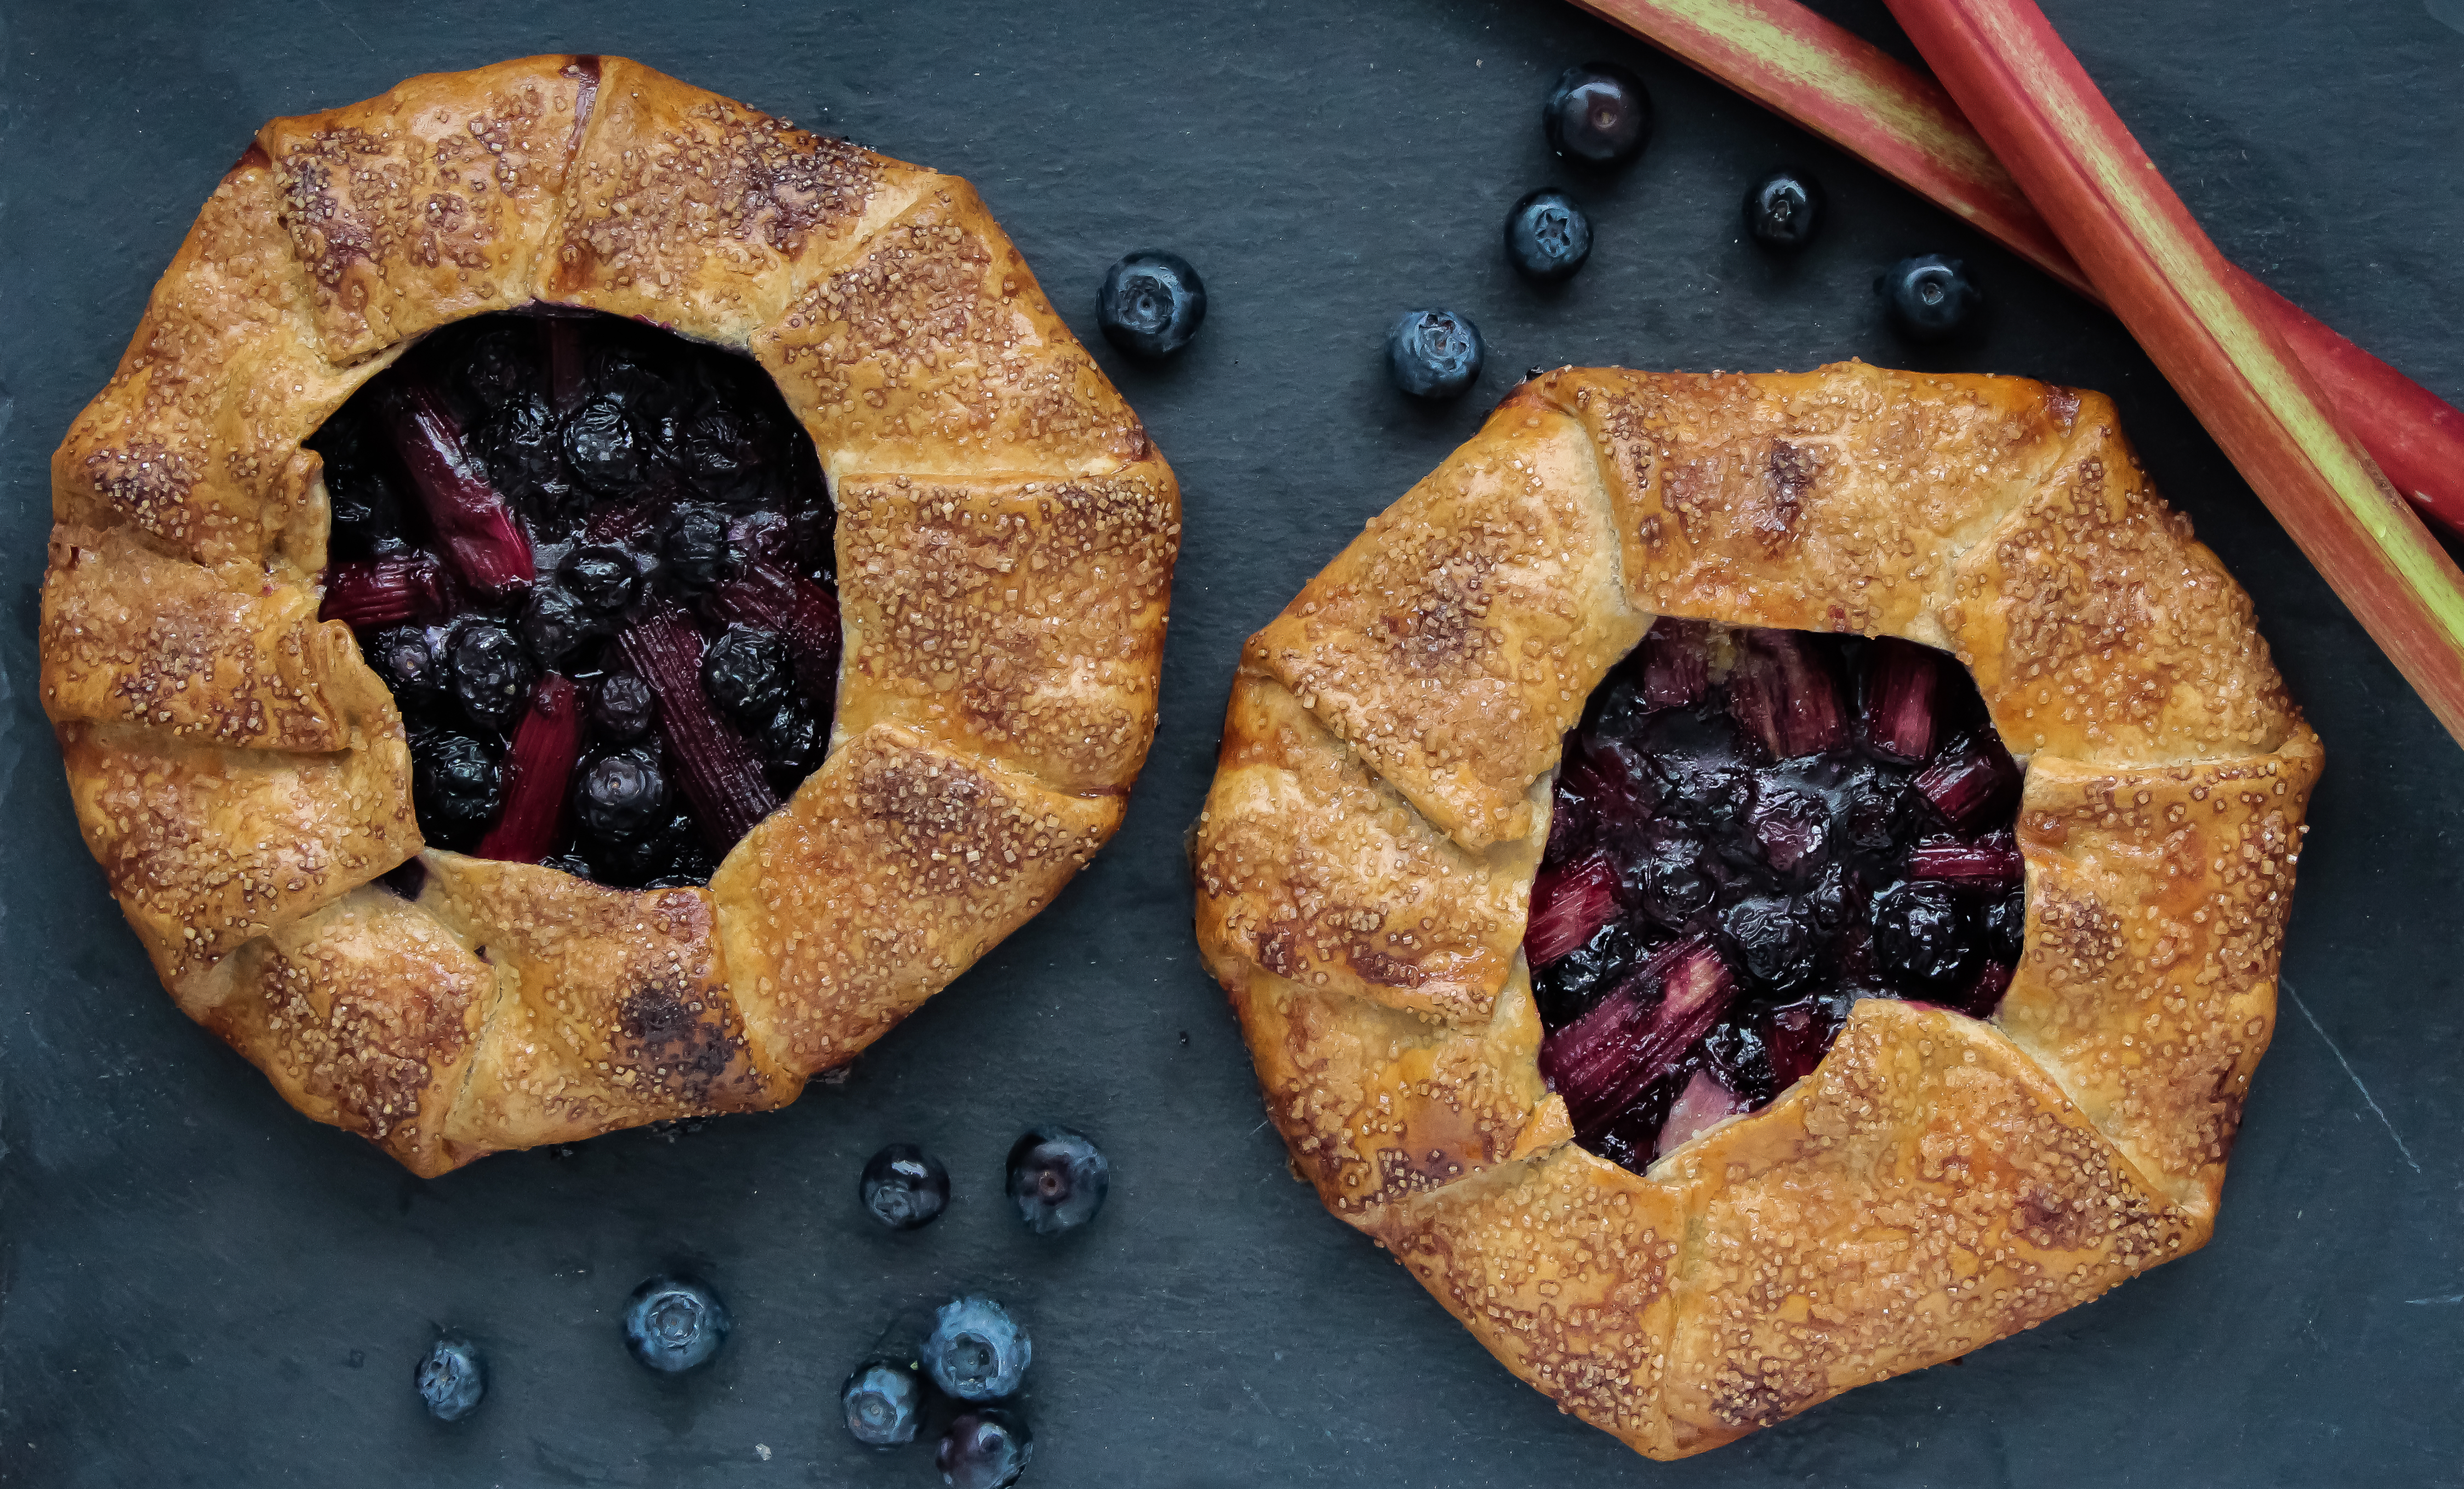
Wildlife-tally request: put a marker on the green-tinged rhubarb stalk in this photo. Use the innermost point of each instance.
(2045, 121)
(1899, 122)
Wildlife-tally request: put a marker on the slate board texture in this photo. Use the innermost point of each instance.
(199, 1287)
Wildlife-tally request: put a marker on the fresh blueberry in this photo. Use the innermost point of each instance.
(1929, 297)
(491, 678)
(1433, 353)
(407, 659)
(553, 625)
(984, 1450)
(451, 1378)
(880, 1399)
(456, 787)
(672, 1323)
(602, 576)
(903, 1187)
(745, 673)
(976, 1352)
(623, 708)
(1152, 303)
(1058, 1177)
(1547, 236)
(1598, 114)
(603, 448)
(697, 546)
(1783, 209)
(622, 796)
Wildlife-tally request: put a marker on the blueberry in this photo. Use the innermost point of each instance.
(497, 365)
(1152, 303)
(880, 1400)
(491, 678)
(1575, 981)
(984, 1450)
(718, 455)
(1598, 114)
(1058, 1177)
(1929, 297)
(2006, 927)
(1783, 209)
(761, 537)
(745, 673)
(602, 576)
(553, 623)
(407, 659)
(697, 546)
(1773, 937)
(1922, 934)
(793, 742)
(1433, 353)
(623, 708)
(1547, 236)
(1669, 879)
(521, 448)
(456, 787)
(976, 1352)
(621, 796)
(672, 1323)
(903, 1187)
(452, 1378)
(604, 447)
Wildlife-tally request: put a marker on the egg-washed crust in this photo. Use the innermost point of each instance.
(241, 775)
(1021, 617)
(1939, 1181)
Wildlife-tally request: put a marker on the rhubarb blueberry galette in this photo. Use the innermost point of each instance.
(583, 605)
(1748, 885)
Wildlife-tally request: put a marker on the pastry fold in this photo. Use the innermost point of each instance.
(1021, 619)
(1313, 867)
(1458, 638)
(895, 866)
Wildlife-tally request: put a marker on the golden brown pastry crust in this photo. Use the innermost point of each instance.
(241, 775)
(1938, 1181)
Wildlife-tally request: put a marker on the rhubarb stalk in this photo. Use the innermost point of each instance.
(721, 774)
(481, 539)
(1842, 87)
(384, 591)
(2042, 116)
(538, 767)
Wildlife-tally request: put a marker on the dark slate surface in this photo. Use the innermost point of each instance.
(201, 1287)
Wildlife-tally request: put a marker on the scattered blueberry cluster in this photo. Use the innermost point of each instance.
(974, 1355)
(1600, 115)
(593, 562)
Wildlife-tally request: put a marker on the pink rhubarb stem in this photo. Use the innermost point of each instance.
(1843, 88)
(2042, 116)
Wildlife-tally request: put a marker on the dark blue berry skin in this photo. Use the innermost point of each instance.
(1058, 1179)
(1599, 114)
(673, 1324)
(1433, 354)
(1929, 297)
(903, 1187)
(1547, 236)
(881, 1400)
(1783, 209)
(984, 1450)
(451, 1378)
(1152, 303)
(976, 1352)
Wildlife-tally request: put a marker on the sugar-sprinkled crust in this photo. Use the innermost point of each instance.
(242, 777)
(1939, 1181)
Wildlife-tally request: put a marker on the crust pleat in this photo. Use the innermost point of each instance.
(1459, 637)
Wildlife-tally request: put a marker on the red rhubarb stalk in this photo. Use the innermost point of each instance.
(1990, 859)
(1900, 680)
(721, 774)
(384, 591)
(804, 614)
(1568, 906)
(481, 539)
(1603, 1061)
(1703, 1103)
(538, 767)
(2042, 116)
(1899, 122)
(1782, 696)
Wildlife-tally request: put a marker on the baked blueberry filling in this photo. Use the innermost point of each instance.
(593, 561)
(1752, 830)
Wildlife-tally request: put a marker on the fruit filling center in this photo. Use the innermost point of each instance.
(1752, 830)
(593, 560)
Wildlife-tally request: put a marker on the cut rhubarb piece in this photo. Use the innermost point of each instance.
(1568, 904)
(1993, 859)
(1703, 1103)
(1992, 980)
(1784, 696)
(1970, 782)
(804, 613)
(1604, 1060)
(482, 542)
(720, 773)
(1796, 1036)
(386, 592)
(538, 767)
(1676, 662)
(1900, 678)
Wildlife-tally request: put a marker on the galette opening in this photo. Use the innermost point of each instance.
(1751, 829)
(594, 562)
